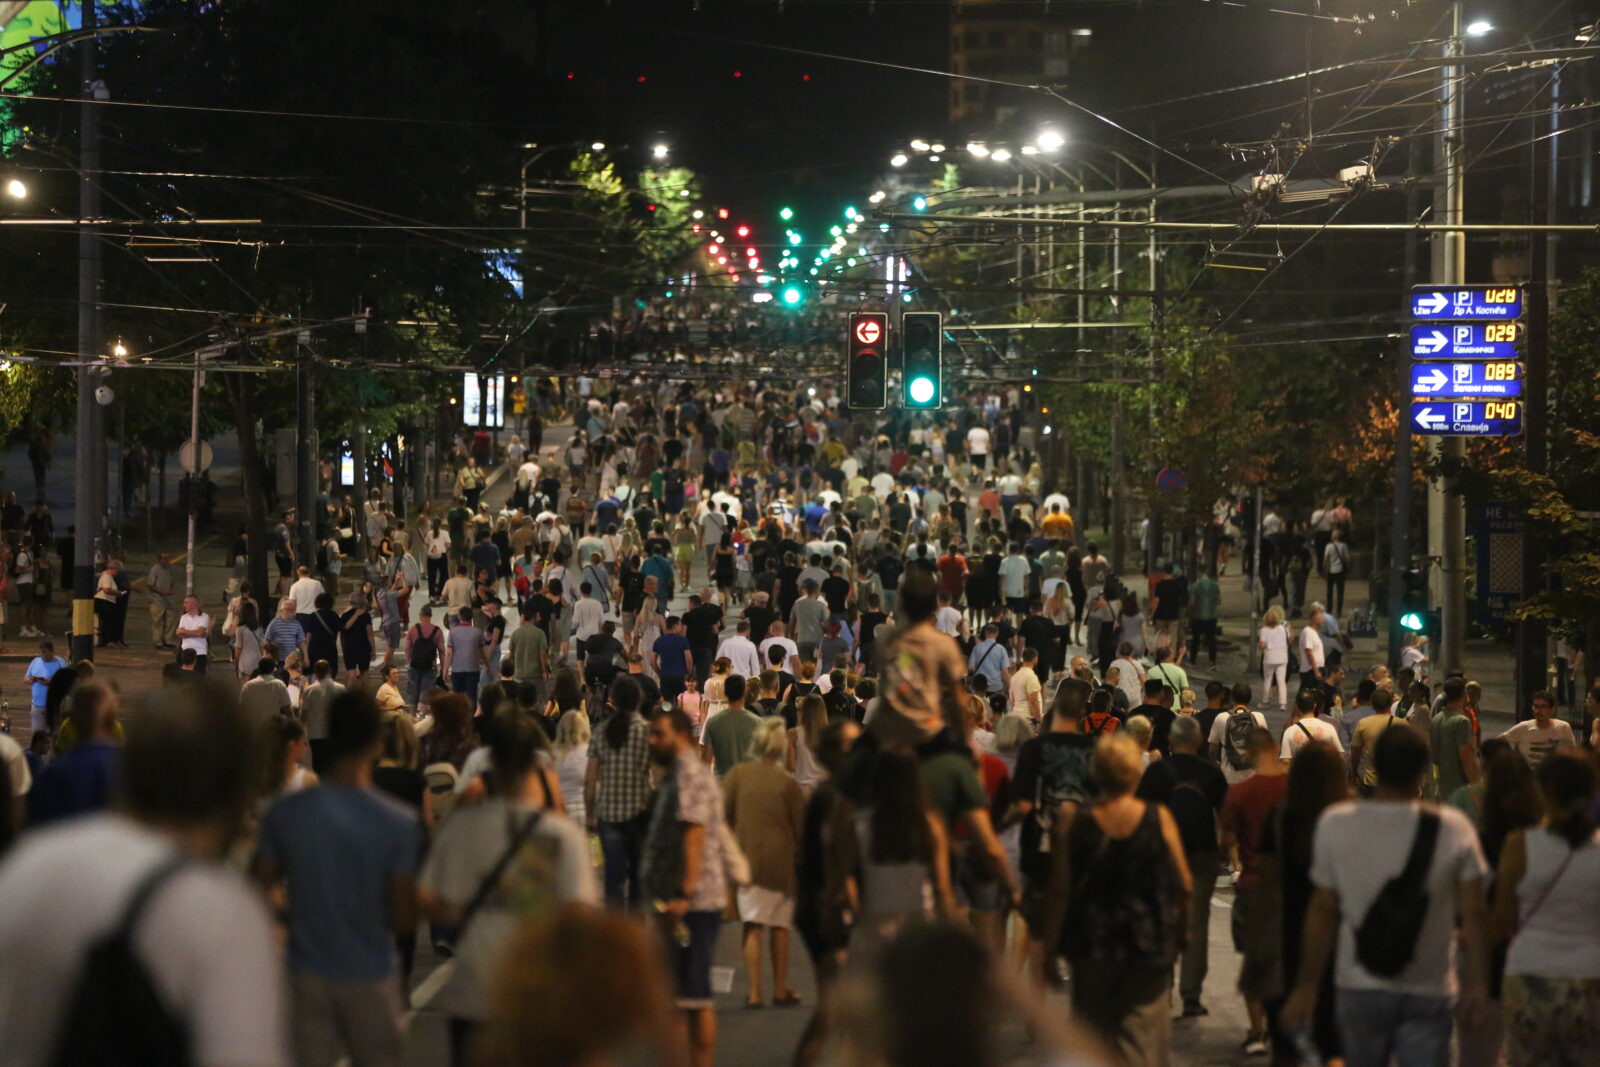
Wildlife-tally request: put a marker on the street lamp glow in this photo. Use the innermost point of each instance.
(897, 160)
(698, 214)
(17, 189)
(598, 146)
(934, 158)
(877, 197)
(786, 213)
(936, 147)
(1030, 150)
(1000, 155)
(1479, 27)
(850, 212)
(119, 350)
(791, 295)
(919, 145)
(1050, 140)
(978, 150)
(659, 151)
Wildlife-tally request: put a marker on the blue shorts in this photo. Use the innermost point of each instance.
(691, 963)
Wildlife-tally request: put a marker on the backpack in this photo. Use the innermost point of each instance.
(424, 650)
(1101, 722)
(1235, 748)
(1196, 818)
(116, 1015)
(441, 779)
(1386, 940)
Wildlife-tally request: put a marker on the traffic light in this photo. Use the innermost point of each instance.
(786, 213)
(922, 359)
(867, 359)
(1415, 614)
(791, 295)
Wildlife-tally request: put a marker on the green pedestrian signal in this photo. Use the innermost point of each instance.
(922, 359)
(792, 295)
(786, 213)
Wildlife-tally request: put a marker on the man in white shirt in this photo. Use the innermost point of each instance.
(1541, 735)
(791, 651)
(203, 933)
(741, 652)
(1358, 848)
(948, 619)
(587, 615)
(1027, 695)
(1014, 573)
(1309, 646)
(1304, 726)
(194, 631)
(1229, 737)
(304, 593)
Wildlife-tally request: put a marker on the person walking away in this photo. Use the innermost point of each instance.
(685, 877)
(153, 867)
(765, 807)
(82, 778)
(347, 857)
(1336, 566)
(1119, 898)
(1245, 812)
(726, 740)
(424, 653)
(616, 793)
(1316, 781)
(495, 865)
(160, 586)
(1545, 889)
(1401, 876)
(1455, 758)
(1205, 605)
(466, 654)
(1193, 789)
(1310, 650)
(1273, 640)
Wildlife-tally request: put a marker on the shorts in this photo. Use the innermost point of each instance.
(765, 907)
(1239, 921)
(975, 887)
(691, 963)
(391, 634)
(38, 718)
(285, 566)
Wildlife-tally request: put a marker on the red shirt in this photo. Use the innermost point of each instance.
(989, 500)
(952, 574)
(1245, 813)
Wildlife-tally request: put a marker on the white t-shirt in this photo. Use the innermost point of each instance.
(978, 441)
(16, 766)
(1315, 730)
(587, 615)
(1276, 638)
(1359, 846)
(790, 651)
(304, 593)
(1025, 683)
(204, 936)
(1310, 647)
(947, 620)
(1535, 744)
(741, 652)
(1219, 736)
(882, 484)
(202, 621)
(1009, 485)
(1053, 499)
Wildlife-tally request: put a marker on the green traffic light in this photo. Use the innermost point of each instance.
(1412, 621)
(850, 212)
(792, 295)
(919, 204)
(920, 390)
(786, 213)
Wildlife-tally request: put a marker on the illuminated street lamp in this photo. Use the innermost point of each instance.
(17, 189)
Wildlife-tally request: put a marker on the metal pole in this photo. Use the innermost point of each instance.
(86, 506)
(1256, 599)
(194, 477)
(1446, 509)
(1119, 520)
(305, 459)
(1400, 528)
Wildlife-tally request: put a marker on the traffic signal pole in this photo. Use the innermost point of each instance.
(88, 484)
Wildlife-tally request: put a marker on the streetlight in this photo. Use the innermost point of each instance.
(598, 146)
(659, 151)
(976, 149)
(1479, 27)
(119, 349)
(898, 159)
(17, 189)
(1000, 155)
(919, 145)
(1050, 140)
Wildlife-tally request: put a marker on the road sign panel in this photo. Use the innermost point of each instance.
(1465, 340)
(1466, 418)
(1466, 303)
(1466, 379)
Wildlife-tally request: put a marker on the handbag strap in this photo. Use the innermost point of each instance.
(492, 879)
(1537, 904)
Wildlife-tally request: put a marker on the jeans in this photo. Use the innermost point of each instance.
(420, 682)
(1202, 632)
(621, 846)
(465, 683)
(1196, 959)
(1336, 592)
(702, 663)
(1413, 1029)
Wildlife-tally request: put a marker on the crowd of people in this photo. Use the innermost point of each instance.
(740, 656)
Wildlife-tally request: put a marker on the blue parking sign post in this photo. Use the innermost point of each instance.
(1474, 333)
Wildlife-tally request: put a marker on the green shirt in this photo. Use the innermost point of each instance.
(728, 734)
(951, 780)
(529, 653)
(1448, 731)
(1204, 598)
(457, 518)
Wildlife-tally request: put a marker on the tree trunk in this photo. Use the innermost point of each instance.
(241, 392)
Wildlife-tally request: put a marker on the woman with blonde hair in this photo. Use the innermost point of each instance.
(572, 760)
(1141, 730)
(766, 811)
(648, 626)
(1273, 640)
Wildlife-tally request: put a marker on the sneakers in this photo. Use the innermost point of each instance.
(1254, 1044)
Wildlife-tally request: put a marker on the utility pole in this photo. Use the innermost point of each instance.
(88, 504)
(305, 456)
(1400, 530)
(1446, 510)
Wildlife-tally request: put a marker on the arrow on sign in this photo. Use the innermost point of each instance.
(1432, 382)
(1428, 419)
(1433, 303)
(1433, 342)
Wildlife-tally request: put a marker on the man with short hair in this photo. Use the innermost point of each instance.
(457, 592)
(1205, 603)
(807, 617)
(990, 659)
(160, 586)
(672, 660)
(1193, 789)
(314, 704)
(725, 738)
(1304, 726)
(1157, 707)
(41, 669)
(1541, 735)
(1246, 811)
(1364, 741)
(264, 696)
(740, 651)
(346, 855)
(530, 654)
(790, 659)
(204, 935)
(194, 632)
(1027, 695)
(702, 626)
(466, 654)
(304, 593)
(1359, 847)
(683, 874)
(1455, 754)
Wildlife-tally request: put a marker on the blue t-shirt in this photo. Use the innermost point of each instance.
(77, 782)
(46, 669)
(670, 648)
(337, 847)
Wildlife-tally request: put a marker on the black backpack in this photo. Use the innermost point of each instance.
(116, 1017)
(1235, 746)
(1386, 940)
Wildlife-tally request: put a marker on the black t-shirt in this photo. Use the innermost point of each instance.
(632, 586)
(835, 588)
(1163, 776)
(760, 618)
(1038, 632)
(841, 706)
(541, 609)
(1205, 717)
(701, 625)
(494, 630)
(655, 545)
(1161, 720)
(1169, 598)
(1052, 769)
(405, 784)
(889, 570)
(652, 691)
(599, 656)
